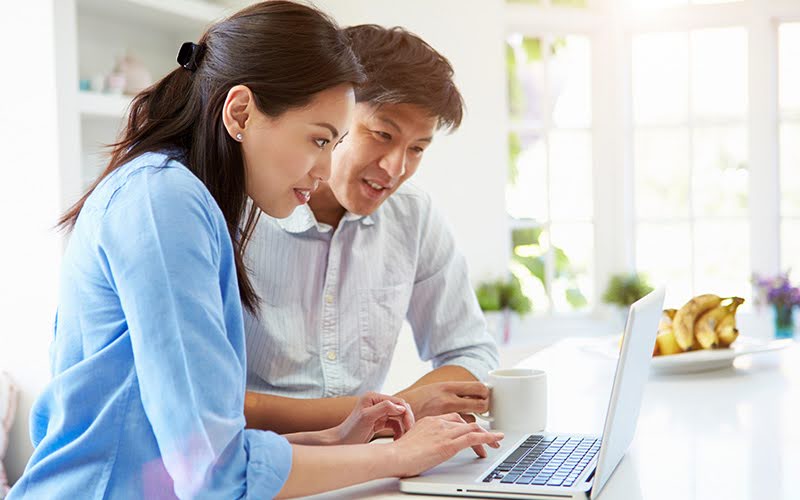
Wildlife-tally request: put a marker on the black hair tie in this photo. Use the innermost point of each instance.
(190, 55)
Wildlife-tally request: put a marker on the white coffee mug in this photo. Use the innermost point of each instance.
(518, 400)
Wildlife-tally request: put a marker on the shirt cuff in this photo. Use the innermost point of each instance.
(269, 463)
(479, 368)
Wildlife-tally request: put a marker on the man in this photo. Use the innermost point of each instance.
(337, 278)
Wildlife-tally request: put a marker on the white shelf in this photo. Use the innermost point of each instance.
(174, 15)
(94, 104)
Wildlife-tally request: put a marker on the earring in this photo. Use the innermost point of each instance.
(239, 137)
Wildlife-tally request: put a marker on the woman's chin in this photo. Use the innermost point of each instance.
(279, 211)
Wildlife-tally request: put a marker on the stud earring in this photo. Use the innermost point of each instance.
(239, 137)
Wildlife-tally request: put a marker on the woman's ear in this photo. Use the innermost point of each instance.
(237, 111)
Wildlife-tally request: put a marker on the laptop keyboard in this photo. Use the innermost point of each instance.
(550, 461)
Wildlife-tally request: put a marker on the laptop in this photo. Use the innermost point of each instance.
(559, 466)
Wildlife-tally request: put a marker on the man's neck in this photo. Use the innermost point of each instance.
(325, 207)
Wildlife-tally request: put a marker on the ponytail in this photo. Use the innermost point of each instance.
(269, 47)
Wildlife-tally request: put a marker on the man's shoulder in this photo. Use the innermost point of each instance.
(408, 201)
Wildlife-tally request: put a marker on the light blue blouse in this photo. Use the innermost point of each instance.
(148, 359)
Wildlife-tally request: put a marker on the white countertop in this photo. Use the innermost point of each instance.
(729, 434)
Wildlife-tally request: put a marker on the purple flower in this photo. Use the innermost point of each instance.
(777, 291)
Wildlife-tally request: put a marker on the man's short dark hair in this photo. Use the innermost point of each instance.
(402, 68)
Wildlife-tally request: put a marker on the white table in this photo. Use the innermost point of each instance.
(730, 434)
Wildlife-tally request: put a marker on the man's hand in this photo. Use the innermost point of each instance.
(374, 413)
(447, 397)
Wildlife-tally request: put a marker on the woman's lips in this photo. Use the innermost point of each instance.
(302, 195)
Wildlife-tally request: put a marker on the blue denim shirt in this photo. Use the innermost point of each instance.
(148, 359)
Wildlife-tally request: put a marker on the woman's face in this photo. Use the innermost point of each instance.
(286, 157)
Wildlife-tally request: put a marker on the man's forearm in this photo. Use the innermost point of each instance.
(446, 373)
(287, 415)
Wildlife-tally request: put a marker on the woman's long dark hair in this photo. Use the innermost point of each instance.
(284, 52)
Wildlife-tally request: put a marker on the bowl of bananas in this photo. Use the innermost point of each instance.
(702, 336)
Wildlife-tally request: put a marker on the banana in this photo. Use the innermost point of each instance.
(683, 323)
(726, 328)
(705, 329)
(665, 326)
(665, 341)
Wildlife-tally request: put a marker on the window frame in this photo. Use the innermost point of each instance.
(610, 27)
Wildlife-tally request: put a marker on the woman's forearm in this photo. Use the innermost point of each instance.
(316, 469)
(289, 415)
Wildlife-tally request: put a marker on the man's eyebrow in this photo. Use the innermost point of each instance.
(394, 125)
(329, 127)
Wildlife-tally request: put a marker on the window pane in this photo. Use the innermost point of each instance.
(789, 61)
(573, 249)
(664, 253)
(719, 72)
(559, 90)
(720, 171)
(526, 194)
(790, 169)
(569, 73)
(528, 263)
(660, 77)
(790, 247)
(526, 80)
(570, 175)
(662, 172)
(722, 258)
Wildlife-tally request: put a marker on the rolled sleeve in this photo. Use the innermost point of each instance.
(449, 327)
(268, 465)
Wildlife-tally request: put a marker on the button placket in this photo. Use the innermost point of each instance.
(330, 338)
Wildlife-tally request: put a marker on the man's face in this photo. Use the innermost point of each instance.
(384, 148)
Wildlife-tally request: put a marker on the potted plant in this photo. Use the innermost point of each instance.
(625, 289)
(500, 300)
(779, 292)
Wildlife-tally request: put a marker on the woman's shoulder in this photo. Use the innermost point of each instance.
(151, 178)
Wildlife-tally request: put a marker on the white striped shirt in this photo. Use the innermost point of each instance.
(333, 301)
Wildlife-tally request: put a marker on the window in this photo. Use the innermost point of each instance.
(549, 195)
(633, 118)
(789, 99)
(690, 160)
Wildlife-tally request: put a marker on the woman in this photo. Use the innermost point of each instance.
(146, 399)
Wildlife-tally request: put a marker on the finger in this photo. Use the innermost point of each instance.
(468, 418)
(373, 398)
(469, 389)
(453, 417)
(396, 427)
(477, 440)
(465, 405)
(408, 419)
(383, 409)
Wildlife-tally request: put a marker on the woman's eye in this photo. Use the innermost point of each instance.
(321, 143)
(418, 150)
(382, 135)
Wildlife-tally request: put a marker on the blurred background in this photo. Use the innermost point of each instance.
(656, 141)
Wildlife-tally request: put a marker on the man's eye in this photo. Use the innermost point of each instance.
(321, 143)
(383, 135)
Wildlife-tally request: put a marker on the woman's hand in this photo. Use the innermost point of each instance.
(373, 413)
(436, 439)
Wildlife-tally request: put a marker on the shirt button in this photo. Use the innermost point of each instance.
(331, 355)
(329, 299)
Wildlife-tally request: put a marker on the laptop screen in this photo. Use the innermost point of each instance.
(633, 368)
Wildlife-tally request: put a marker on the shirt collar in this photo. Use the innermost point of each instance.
(302, 219)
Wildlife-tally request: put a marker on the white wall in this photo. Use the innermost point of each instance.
(464, 172)
(29, 205)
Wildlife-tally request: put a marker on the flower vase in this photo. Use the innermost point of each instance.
(784, 321)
